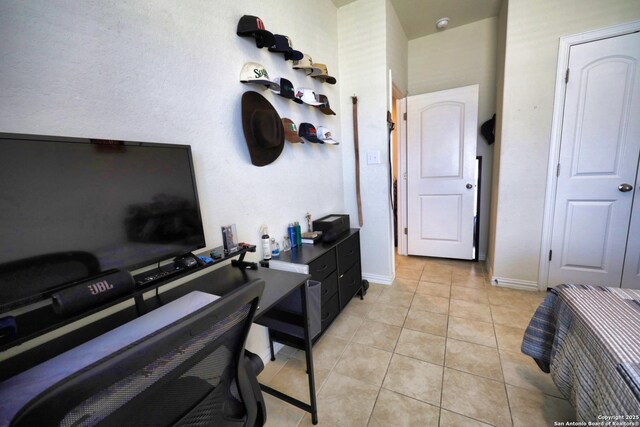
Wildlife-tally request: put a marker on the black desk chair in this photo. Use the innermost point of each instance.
(193, 372)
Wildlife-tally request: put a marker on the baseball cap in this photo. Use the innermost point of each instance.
(304, 63)
(320, 72)
(324, 105)
(285, 89)
(283, 44)
(291, 131)
(308, 96)
(308, 132)
(252, 26)
(324, 135)
(252, 72)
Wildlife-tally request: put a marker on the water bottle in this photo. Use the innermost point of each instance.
(298, 233)
(292, 235)
(266, 243)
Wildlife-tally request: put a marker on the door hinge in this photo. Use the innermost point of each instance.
(558, 170)
(404, 116)
(550, 255)
(566, 76)
(405, 230)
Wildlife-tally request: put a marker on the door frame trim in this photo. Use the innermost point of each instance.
(566, 42)
(403, 241)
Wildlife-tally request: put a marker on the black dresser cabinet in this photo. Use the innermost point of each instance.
(336, 266)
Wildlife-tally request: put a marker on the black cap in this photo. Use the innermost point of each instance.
(283, 45)
(308, 132)
(286, 89)
(252, 26)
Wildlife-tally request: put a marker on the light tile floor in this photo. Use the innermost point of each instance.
(440, 347)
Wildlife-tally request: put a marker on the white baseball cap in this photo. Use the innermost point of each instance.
(324, 135)
(252, 72)
(308, 96)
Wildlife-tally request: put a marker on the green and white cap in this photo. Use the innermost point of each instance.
(291, 131)
(254, 73)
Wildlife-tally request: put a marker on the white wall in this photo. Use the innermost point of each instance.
(495, 178)
(363, 70)
(462, 56)
(533, 31)
(168, 71)
(397, 49)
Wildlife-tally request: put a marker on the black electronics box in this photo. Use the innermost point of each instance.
(333, 224)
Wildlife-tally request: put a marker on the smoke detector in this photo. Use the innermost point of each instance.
(442, 23)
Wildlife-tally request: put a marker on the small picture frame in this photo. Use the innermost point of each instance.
(229, 238)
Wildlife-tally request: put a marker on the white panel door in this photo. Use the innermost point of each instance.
(441, 148)
(599, 151)
(631, 270)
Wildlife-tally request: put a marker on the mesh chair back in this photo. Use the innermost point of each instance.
(184, 374)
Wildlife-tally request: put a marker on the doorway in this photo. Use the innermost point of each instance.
(441, 135)
(592, 219)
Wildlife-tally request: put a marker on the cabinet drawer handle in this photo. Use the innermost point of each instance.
(341, 276)
(324, 267)
(326, 317)
(325, 291)
(350, 252)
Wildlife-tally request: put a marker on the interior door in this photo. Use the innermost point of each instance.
(600, 146)
(441, 147)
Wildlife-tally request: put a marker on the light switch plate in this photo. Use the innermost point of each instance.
(373, 157)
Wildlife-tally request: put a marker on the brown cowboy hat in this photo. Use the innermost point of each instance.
(262, 128)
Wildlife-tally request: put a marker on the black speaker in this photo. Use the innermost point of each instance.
(92, 292)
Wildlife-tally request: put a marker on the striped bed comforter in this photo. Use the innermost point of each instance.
(588, 338)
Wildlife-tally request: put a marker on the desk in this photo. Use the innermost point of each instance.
(278, 285)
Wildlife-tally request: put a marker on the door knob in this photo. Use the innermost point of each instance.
(470, 186)
(625, 187)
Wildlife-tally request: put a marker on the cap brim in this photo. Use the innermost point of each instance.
(327, 111)
(325, 79)
(268, 83)
(293, 55)
(293, 139)
(331, 141)
(314, 140)
(315, 104)
(263, 38)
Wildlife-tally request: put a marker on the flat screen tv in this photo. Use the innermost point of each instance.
(73, 208)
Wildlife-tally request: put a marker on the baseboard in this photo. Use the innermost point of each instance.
(504, 282)
(377, 278)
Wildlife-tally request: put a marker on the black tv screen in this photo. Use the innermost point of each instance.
(72, 208)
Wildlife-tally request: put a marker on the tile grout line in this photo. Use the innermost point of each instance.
(444, 361)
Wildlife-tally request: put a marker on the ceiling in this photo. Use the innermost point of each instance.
(418, 17)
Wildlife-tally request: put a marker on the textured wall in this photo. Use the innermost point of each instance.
(397, 49)
(168, 71)
(363, 69)
(458, 57)
(533, 32)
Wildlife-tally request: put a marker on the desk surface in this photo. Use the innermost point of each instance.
(278, 284)
(305, 253)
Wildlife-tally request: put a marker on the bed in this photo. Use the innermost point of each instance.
(588, 339)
